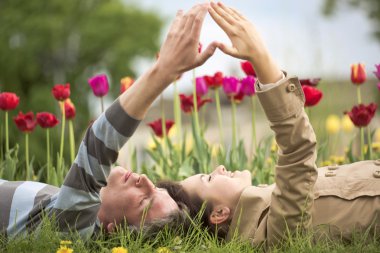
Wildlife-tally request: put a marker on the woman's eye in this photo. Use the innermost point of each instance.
(209, 178)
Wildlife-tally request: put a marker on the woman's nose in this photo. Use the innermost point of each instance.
(144, 182)
(221, 169)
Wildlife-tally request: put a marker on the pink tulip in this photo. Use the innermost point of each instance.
(201, 86)
(248, 85)
(99, 85)
(231, 86)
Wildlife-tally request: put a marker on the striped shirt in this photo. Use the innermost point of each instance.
(76, 204)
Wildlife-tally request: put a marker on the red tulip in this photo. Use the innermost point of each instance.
(61, 91)
(310, 82)
(46, 120)
(8, 101)
(99, 85)
(187, 104)
(201, 86)
(70, 111)
(25, 122)
(247, 67)
(157, 126)
(361, 115)
(312, 95)
(215, 81)
(358, 75)
(377, 72)
(125, 83)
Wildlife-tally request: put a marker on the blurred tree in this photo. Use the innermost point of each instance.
(47, 42)
(371, 7)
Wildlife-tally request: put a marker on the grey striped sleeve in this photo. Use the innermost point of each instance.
(6, 196)
(78, 202)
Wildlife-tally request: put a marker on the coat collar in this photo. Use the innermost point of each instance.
(252, 203)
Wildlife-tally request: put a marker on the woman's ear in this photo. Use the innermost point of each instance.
(219, 215)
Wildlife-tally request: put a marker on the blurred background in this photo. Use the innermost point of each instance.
(43, 43)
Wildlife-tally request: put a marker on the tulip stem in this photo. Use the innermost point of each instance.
(60, 160)
(359, 94)
(6, 133)
(195, 104)
(253, 144)
(163, 125)
(362, 143)
(219, 111)
(48, 156)
(102, 104)
(27, 156)
(177, 112)
(369, 143)
(233, 124)
(72, 141)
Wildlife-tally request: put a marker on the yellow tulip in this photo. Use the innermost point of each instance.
(332, 124)
(347, 124)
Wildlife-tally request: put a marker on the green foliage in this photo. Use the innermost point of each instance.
(47, 42)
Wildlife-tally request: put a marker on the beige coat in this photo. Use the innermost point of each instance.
(333, 201)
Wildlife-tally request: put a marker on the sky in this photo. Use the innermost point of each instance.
(299, 37)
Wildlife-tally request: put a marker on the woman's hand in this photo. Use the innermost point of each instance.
(246, 42)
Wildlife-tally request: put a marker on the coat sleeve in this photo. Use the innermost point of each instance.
(78, 201)
(296, 172)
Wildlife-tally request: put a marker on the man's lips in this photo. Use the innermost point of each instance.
(127, 175)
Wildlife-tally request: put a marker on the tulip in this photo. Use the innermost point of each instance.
(248, 86)
(361, 115)
(377, 72)
(347, 124)
(215, 81)
(310, 82)
(358, 75)
(157, 127)
(125, 83)
(248, 69)
(312, 95)
(26, 123)
(8, 101)
(70, 110)
(61, 91)
(231, 86)
(201, 86)
(99, 86)
(70, 113)
(187, 104)
(47, 120)
(333, 124)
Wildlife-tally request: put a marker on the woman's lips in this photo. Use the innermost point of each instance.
(127, 175)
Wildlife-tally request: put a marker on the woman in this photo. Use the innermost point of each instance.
(331, 201)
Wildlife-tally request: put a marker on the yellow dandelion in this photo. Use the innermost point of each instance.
(163, 250)
(347, 124)
(334, 159)
(274, 146)
(333, 124)
(326, 163)
(119, 250)
(269, 161)
(65, 249)
(376, 146)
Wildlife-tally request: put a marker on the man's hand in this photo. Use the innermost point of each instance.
(246, 42)
(179, 52)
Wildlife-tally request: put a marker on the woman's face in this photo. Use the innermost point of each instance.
(221, 187)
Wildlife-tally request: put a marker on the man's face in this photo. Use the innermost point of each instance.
(129, 195)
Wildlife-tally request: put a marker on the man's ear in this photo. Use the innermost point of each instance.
(110, 227)
(219, 215)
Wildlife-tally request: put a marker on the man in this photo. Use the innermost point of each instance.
(92, 195)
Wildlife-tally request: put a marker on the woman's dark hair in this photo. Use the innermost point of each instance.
(197, 208)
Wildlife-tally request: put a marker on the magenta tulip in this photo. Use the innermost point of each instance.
(231, 86)
(201, 86)
(248, 85)
(99, 85)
